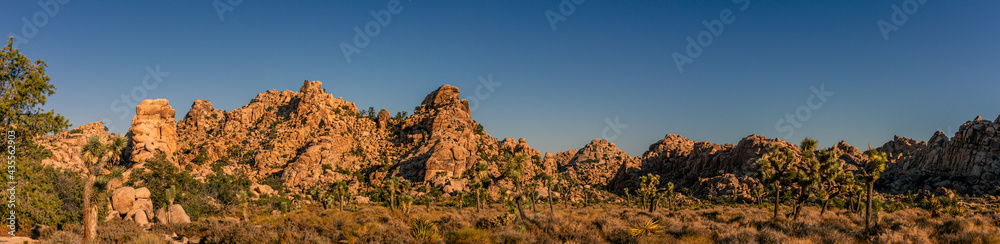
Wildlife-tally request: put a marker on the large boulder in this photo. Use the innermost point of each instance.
(176, 215)
(122, 199)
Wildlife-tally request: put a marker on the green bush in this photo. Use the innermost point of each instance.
(56, 196)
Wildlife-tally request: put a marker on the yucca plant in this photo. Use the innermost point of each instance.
(424, 231)
(649, 227)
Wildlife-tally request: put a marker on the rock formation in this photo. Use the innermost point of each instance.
(66, 146)
(153, 130)
(131, 204)
(968, 163)
(596, 163)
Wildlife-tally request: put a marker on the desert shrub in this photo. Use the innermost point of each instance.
(64, 237)
(117, 231)
(511, 236)
(149, 238)
(468, 235)
(495, 221)
(614, 230)
(769, 236)
(740, 235)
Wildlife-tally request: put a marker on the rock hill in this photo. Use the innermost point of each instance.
(309, 138)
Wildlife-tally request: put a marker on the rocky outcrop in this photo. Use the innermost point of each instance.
(969, 162)
(306, 138)
(685, 162)
(66, 146)
(596, 163)
(153, 130)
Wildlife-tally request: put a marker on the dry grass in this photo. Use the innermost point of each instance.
(595, 224)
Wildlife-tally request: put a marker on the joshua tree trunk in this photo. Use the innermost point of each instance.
(517, 201)
(461, 201)
(777, 199)
(479, 204)
(653, 201)
(823, 210)
(341, 202)
(798, 203)
(533, 204)
(552, 211)
(868, 207)
(392, 198)
(89, 228)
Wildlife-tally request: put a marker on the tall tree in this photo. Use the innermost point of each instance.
(872, 170)
(771, 170)
(24, 88)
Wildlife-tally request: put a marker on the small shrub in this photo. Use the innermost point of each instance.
(469, 235)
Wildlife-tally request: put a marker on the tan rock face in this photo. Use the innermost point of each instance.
(122, 199)
(66, 146)
(969, 162)
(153, 130)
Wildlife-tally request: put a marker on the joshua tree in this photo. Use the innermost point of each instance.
(514, 170)
(547, 179)
(804, 175)
(477, 180)
(772, 168)
(669, 193)
(96, 155)
(833, 180)
(531, 189)
(341, 190)
(872, 170)
(171, 194)
(649, 191)
(391, 186)
(568, 184)
(758, 193)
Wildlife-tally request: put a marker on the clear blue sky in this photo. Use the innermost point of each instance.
(606, 60)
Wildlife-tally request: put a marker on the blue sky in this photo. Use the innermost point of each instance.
(605, 60)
